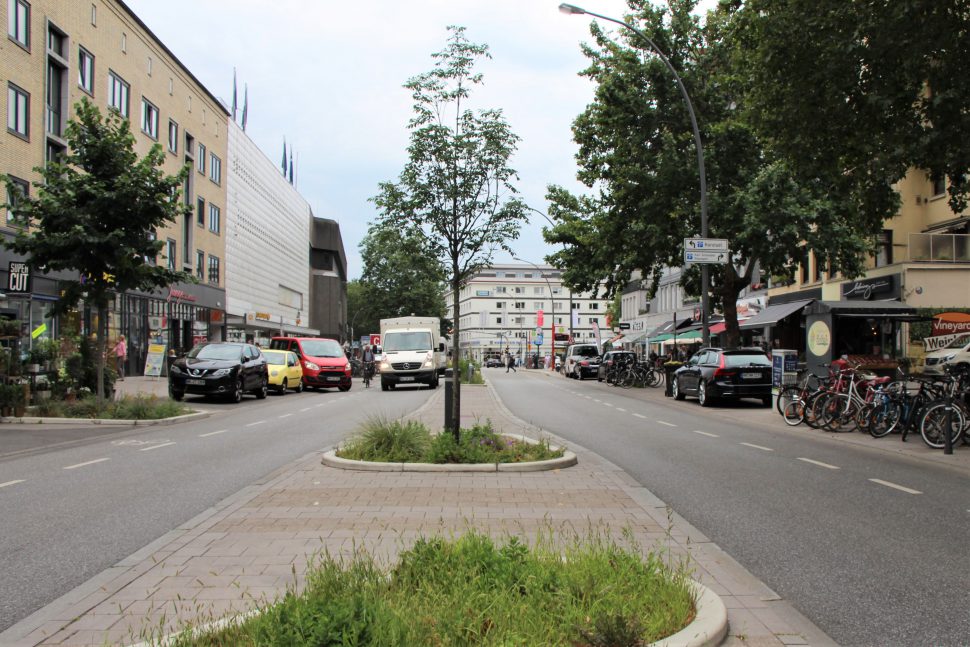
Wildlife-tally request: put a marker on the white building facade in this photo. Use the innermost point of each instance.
(267, 247)
(499, 310)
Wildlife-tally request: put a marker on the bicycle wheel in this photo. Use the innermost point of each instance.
(932, 426)
(656, 378)
(884, 418)
(794, 413)
(841, 414)
(786, 395)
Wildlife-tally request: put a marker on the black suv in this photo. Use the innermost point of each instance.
(220, 368)
(714, 373)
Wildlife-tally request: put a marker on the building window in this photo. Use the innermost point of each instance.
(200, 265)
(85, 70)
(215, 168)
(200, 159)
(170, 253)
(18, 21)
(884, 248)
(500, 289)
(214, 215)
(200, 212)
(152, 260)
(173, 136)
(213, 269)
(939, 185)
(594, 320)
(118, 94)
(520, 305)
(538, 290)
(538, 305)
(498, 321)
(54, 152)
(56, 41)
(818, 267)
(519, 290)
(55, 93)
(21, 188)
(500, 304)
(594, 306)
(18, 111)
(149, 118)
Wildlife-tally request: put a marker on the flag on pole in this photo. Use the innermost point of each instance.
(284, 157)
(234, 94)
(245, 105)
(291, 165)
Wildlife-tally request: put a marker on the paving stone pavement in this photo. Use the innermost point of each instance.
(252, 546)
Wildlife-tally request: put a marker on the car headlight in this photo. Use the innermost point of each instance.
(222, 372)
(385, 366)
(949, 357)
(274, 372)
(311, 366)
(347, 366)
(175, 370)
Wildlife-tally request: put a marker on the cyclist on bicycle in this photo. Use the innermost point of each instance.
(367, 357)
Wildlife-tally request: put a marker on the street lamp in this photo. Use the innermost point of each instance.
(552, 316)
(705, 276)
(570, 317)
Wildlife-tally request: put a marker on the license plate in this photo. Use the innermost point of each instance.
(195, 382)
(407, 378)
(335, 378)
(750, 376)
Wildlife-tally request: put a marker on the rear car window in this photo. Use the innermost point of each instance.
(585, 351)
(732, 360)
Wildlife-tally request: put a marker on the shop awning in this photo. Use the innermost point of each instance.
(656, 339)
(689, 337)
(773, 314)
(613, 340)
(867, 309)
(632, 337)
(718, 328)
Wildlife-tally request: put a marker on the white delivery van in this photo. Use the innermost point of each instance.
(413, 351)
(954, 353)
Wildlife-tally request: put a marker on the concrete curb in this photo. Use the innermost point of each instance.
(330, 459)
(709, 626)
(96, 422)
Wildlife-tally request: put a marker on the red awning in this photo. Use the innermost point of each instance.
(718, 328)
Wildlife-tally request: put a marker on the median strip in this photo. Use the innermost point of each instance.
(98, 460)
(896, 486)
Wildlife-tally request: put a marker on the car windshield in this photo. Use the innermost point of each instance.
(216, 351)
(746, 359)
(410, 340)
(275, 357)
(585, 351)
(959, 342)
(322, 348)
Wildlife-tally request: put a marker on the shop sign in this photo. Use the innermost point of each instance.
(947, 326)
(216, 316)
(19, 279)
(819, 339)
(180, 295)
(482, 293)
(262, 316)
(882, 287)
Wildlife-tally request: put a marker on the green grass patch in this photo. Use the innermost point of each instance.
(411, 442)
(129, 407)
(472, 591)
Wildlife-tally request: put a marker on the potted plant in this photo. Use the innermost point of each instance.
(20, 399)
(10, 327)
(42, 391)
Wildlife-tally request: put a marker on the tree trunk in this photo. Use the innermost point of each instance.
(455, 357)
(730, 289)
(102, 349)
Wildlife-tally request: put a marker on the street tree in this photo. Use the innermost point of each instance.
(858, 93)
(361, 319)
(456, 190)
(636, 150)
(96, 213)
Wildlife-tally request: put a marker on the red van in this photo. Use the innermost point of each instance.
(324, 364)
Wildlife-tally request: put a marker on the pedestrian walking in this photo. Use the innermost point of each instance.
(121, 354)
(510, 363)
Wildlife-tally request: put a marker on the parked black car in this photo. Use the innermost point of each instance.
(221, 369)
(611, 360)
(714, 373)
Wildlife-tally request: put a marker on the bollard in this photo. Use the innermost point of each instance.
(449, 414)
(471, 372)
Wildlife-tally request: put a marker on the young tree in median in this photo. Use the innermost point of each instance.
(637, 149)
(456, 188)
(96, 212)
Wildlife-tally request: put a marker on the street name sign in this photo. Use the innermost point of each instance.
(707, 244)
(706, 256)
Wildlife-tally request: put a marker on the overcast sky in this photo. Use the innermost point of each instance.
(328, 77)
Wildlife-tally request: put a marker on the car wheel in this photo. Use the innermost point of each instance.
(286, 385)
(344, 388)
(299, 387)
(702, 397)
(178, 396)
(261, 391)
(237, 393)
(675, 388)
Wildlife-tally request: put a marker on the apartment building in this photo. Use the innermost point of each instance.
(499, 310)
(58, 52)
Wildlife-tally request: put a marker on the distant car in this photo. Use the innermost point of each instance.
(612, 359)
(582, 361)
(285, 371)
(714, 373)
(220, 369)
(493, 362)
(325, 366)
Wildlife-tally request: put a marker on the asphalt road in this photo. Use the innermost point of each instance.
(71, 510)
(869, 545)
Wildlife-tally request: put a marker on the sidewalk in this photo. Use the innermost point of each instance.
(256, 543)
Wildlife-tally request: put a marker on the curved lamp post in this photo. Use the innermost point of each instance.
(552, 315)
(570, 314)
(705, 276)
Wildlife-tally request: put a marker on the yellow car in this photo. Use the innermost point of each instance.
(285, 371)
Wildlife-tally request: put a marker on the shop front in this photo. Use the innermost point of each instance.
(258, 327)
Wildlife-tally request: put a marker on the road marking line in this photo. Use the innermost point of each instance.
(595, 400)
(820, 463)
(286, 415)
(639, 416)
(621, 409)
(764, 449)
(148, 449)
(608, 404)
(99, 460)
(665, 423)
(705, 433)
(307, 409)
(11, 483)
(895, 486)
(258, 422)
(321, 404)
(213, 433)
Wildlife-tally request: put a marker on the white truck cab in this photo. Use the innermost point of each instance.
(413, 352)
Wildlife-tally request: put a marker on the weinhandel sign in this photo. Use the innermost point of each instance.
(947, 326)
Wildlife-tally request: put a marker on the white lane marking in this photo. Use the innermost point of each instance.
(820, 463)
(762, 448)
(11, 483)
(706, 433)
(98, 460)
(595, 400)
(321, 404)
(895, 486)
(258, 422)
(665, 423)
(213, 433)
(639, 416)
(286, 415)
(621, 409)
(148, 449)
(607, 404)
(306, 409)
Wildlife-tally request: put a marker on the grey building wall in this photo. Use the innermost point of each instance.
(328, 279)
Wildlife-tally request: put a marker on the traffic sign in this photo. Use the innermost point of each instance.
(707, 244)
(706, 256)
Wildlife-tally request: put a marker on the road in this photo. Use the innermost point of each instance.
(869, 545)
(76, 508)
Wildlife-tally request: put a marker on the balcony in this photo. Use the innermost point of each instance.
(939, 248)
